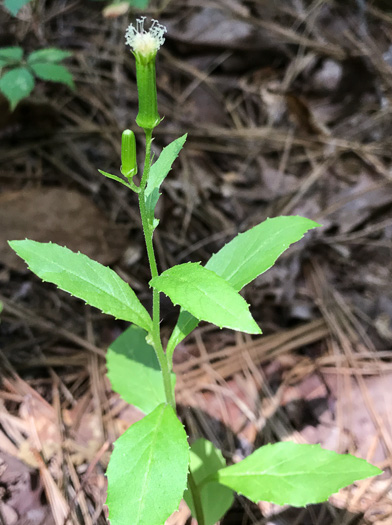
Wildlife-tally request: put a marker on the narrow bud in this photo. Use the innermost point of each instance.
(128, 154)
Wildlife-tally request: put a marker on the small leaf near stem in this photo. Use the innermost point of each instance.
(130, 184)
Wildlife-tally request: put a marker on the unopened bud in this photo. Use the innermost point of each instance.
(128, 154)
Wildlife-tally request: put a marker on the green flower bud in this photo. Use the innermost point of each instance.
(128, 154)
(144, 46)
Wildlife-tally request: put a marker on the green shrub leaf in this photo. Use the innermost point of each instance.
(216, 499)
(246, 257)
(16, 85)
(158, 172)
(78, 275)
(148, 470)
(13, 6)
(139, 4)
(49, 54)
(10, 55)
(293, 474)
(53, 73)
(206, 296)
(134, 372)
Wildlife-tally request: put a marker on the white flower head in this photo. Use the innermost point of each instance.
(145, 44)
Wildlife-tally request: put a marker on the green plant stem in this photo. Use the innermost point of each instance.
(162, 358)
(156, 336)
(196, 499)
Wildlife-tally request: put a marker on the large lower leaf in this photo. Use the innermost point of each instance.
(246, 257)
(134, 372)
(206, 296)
(216, 499)
(293, 474)
(157, 175)
(148, 470)
(16, 85)
(78, 275)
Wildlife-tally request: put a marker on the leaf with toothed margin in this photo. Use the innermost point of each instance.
(246, 257)
(82, 277)
(293, 474)
(148, 470)
(158, 172)
(207, 296)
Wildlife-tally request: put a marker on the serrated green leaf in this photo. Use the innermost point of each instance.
(206, 296)
(53, 73)
(78, 275)
(161, 167)
(158, 172)
(216, 499)
(10, 55)
(49, 54)
(134, 371)
(148, 470)
(251, 253)
(294, 474)
(13, 6)
(246, 257)
(16, 85)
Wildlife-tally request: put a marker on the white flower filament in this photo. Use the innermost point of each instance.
(142, 42)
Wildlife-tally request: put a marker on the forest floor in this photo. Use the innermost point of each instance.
(287, 105)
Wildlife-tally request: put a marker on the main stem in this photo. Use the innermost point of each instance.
(156, 336)
(148, 233)
(196, 499)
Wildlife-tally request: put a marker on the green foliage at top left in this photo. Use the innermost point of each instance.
(14, 6)
(17, 74)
